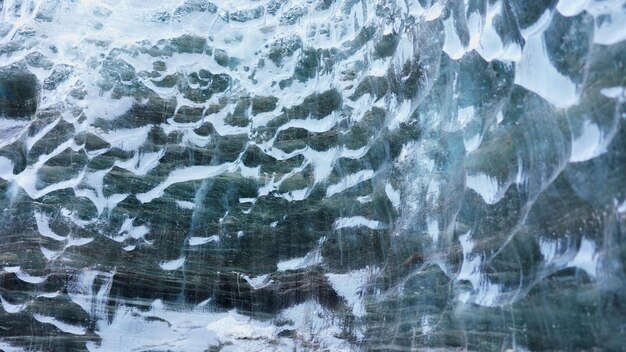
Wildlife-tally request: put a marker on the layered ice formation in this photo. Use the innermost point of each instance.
(312, 175)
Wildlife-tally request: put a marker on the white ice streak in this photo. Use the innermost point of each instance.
(590, 143)
(557, 252)
(197, 241)
(291, 264)
(90, 289)
(190, 173)
(234, 326)
(94, 191)
(351, 286)
(394, 196)
(11, 308)
(27, 179)
(400, 114)
(173, 264)
(492, 47)
(106, 107)
(312, 258)
(452, 44)
(49, 254)
(68, 328)
(618, 93)
(560, 253)
(258, 282)
(536, 73)
(183, 204)
(129, 231)
(6, 347)
(49, 294)
(549, 249)
(609, 20)
(297, 194)
(170, 330)
(488, 187)
(141, 163)
(571, 7)
(314, 324)
(484, 292)
(24, 276)
(432, 228)
(587, 257)
(190, 330)
(359, 221)
(349, 181)
(40, 134)
(6, 168)
(621, 208)
(126, 139)
(472, 263)
(43, 227)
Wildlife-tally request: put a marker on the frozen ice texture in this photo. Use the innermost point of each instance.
(341, 175)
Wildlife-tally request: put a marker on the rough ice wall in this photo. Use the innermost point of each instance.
(186, 175)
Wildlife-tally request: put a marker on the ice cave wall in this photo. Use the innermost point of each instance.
(315, 175)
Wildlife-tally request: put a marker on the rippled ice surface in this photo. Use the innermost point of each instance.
(312, 175)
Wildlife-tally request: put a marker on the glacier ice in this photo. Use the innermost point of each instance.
(315, 175)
